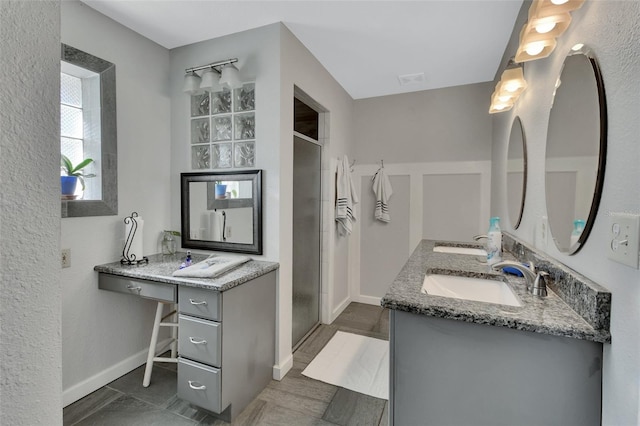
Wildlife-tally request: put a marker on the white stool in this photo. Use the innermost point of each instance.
(173, 342)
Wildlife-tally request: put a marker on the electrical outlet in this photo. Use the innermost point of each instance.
(66, 258)
(624, 238)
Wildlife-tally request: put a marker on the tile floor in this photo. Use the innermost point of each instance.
(296, 400)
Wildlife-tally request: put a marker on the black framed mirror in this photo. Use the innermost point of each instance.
(516, 172)
(222, 211)
(576, 150)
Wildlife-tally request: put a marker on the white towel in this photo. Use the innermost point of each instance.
(346, 198)
(211, 267)
(383, 191)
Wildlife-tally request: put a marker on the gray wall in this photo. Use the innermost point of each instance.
(385, 246)
(95, 350)
(449, 124)
(30, 366)
(436, 147)
(611, 29)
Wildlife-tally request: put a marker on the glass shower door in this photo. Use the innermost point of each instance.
(306, 237)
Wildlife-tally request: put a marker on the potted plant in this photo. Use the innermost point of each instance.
(72, 174)
(221, 190)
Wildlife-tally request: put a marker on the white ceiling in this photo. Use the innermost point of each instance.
(365, 45)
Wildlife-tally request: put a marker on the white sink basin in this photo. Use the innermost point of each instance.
(478, 289)
(461, 250)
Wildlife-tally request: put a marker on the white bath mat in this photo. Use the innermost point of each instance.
(355, 362)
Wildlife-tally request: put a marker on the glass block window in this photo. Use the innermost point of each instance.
(223, 128)
(80, 124)
(71, 127)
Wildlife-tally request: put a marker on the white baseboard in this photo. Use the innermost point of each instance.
(338, 309)
(279, 371)
(369, 300)
(95, 382)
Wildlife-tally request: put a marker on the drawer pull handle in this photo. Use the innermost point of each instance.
(196, 387)
(132, 287)
(196, 302)
(197, 342)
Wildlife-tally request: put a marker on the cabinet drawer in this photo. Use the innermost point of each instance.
(200, 302)
(199, 340)
(200, 385)
(147, 289)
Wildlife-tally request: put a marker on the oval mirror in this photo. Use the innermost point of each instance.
(576, 151)
(516, 172)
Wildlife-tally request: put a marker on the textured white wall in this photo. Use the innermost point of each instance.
(612, 29)
(30, 372)
(104, 334)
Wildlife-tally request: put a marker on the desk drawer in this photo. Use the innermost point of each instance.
(200, 385)
(200, 340)
(147, 289)
(200, 302)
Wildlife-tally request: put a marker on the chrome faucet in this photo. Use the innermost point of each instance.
(535, 281)
(479, 237)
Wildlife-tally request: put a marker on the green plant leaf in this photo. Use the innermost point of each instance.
(84, 163)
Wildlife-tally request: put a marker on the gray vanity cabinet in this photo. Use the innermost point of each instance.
(226, 344)
(447, 372)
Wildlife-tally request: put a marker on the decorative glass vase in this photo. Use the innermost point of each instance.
(169, 245)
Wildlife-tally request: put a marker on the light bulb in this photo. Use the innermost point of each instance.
(559, 2)
(577, 47)
(534, 48)
(545, 27)
(499, 107)
(504, 98)
(512, 86)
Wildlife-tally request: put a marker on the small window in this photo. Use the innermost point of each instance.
(88, 130)
(80, 124)
(305, 119)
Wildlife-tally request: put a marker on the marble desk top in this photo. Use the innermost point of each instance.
(160, 268)
(549, 315)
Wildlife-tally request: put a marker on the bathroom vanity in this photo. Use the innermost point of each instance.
(226, 343)
(463, 362)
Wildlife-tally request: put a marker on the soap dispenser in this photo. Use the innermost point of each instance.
(494, 241)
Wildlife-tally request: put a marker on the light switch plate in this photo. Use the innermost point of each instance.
(624, 238)
(66, 258)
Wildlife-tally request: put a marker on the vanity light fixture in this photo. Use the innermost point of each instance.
(548, 20)
(554, 7)
(508, 89)
(209, 81)
(230, 77)
(191, 83)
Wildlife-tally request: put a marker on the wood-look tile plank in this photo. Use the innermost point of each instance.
(304, 386)
(382, 326)
(384, 419)
(359, 316)
(192, 412)
(88, 405)
(314, 343)
(251, 415)
(162, 389)
(277, 415)
(350, 408)
(309, 406)
(127, 410)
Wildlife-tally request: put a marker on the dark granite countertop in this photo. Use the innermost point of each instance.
(160, 268)
(549, 315)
